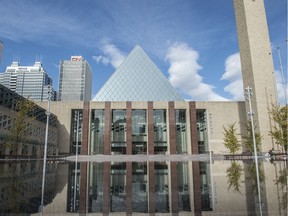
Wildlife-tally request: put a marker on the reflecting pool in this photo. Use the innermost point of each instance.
(223, 187)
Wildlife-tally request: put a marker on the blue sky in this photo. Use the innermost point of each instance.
(193, 42)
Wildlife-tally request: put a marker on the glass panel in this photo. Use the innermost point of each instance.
(76, 131)
(118, 132)
(202, 131)
(206, 187)
(97, 132)
(161, 187)
(118, 187)
(183, 187)
(139, 132)
(181, 135)
(160, 131)
(95, 201)
(73, 200)
(139, 187)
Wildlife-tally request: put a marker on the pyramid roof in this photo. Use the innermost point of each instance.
(137, 79)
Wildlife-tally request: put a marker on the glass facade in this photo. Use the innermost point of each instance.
(160, 131)
(118, 132)
(202, 131)
(206, 187)
(75, 80)
(95, 200)
(28, 81)
(73, 193)
(139, 187)
(97, 131)
(137, 79)
(133, 133)
(161, 187)
(181, 132)
(139, 132)
(183, 187)
(76, 131)
(118, 187)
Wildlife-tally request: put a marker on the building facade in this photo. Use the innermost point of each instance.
(28, 81)
(29, 141)
(75, 80)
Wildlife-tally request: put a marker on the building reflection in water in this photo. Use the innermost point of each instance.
(143, 187)
(21, 186)
(154, 188)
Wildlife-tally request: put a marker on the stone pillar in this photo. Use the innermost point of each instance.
(128, 188)
(107, 129)
(106, 188)
(172, 127)
(85, 129)
(83, 188)
(150, 143)
(128, 128)
(193, 128)
(256, 62)
(151, 188)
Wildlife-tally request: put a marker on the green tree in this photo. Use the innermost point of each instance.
(234, 176)
(231, 141)
(278, 115)
(248, 138)
(19, 124)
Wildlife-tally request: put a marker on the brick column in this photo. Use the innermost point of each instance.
(193, 128)
(85, 129)
(150, 143)
(83, 189)
(151, 189)
(172, 127)
(174, 188)
(128, 128)
(107, 129)
(106, 188)
(128, 188)
(196, 188)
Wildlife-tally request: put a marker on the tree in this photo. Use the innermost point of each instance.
(278, 115)
(231, 141)
(18, 131)
(234, 176)
(248, 138)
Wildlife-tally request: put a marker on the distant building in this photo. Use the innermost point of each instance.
(75, 83)
(28, 81)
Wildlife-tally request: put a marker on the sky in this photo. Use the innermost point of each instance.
(193, 42)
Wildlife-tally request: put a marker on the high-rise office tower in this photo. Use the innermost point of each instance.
(28, 81)
(256, 62)
(75, 83)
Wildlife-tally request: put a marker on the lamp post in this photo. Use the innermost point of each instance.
(248, 94)
(45, 148)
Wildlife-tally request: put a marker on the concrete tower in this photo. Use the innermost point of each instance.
(256, 62)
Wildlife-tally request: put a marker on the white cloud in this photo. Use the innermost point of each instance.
(112, 55)
(101, 59)
(233, 74)
(184, 73)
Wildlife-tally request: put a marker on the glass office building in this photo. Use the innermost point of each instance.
(28, 81)
(75, 82)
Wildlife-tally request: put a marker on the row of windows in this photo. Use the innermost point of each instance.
(139, 131)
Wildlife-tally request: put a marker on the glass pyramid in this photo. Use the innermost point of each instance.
(137, 79)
